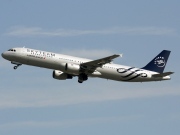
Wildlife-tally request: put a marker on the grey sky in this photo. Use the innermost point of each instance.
(32, 102)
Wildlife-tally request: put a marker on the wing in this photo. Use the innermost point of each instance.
(89, 67)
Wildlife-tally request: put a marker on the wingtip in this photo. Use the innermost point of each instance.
(118, 55)
(172, 72)
(121, 55)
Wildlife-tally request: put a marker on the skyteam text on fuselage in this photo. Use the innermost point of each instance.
(67, 67)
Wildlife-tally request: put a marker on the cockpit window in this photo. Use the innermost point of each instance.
(12, 50)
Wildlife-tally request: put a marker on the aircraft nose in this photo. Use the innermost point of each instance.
(2, 55)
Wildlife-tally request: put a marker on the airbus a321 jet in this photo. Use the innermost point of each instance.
(66, 67)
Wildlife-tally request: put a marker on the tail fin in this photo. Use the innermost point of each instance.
(159, 62)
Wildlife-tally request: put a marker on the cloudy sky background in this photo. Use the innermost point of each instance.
(32, 102)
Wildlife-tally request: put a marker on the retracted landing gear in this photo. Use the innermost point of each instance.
(82, 77)
(17, 65)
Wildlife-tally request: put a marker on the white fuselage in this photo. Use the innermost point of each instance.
(56, 62)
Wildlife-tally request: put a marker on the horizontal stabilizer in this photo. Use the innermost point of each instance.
(162, 74)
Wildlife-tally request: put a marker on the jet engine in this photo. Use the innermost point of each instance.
(72, 68)
(60, 75)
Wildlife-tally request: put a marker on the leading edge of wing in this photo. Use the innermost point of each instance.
(102, 61)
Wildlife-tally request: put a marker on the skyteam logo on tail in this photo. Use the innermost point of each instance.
(160, 62)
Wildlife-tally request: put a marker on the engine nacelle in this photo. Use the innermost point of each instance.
(60, 75)
(72, 68)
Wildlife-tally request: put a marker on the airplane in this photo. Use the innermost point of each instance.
(66, 67)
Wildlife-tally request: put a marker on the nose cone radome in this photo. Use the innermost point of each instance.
(2, 55)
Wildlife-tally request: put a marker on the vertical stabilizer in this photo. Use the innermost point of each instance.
(159, 62)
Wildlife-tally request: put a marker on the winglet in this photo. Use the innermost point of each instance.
(121, 55)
